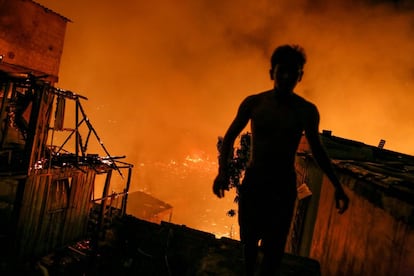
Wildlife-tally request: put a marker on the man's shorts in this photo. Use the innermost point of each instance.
(266, 203)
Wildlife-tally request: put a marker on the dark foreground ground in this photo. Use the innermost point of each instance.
(136, 247)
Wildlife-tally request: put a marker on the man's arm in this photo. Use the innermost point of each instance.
(221, 182)
(322, 158)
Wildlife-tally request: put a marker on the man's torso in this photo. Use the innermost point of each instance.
(277, 124)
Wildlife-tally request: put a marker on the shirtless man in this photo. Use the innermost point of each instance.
(278, 118)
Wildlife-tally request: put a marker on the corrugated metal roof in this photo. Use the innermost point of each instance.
(385, 178)
(374, 164)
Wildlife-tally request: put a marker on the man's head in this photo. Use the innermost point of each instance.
(287, 64)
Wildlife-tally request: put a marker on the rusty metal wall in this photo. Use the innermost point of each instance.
(31, 36)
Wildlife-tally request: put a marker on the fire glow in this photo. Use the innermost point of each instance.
(186, 185)
(167, 79)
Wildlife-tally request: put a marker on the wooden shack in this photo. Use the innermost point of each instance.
(375, 236)
(46, 191)
(146, 207)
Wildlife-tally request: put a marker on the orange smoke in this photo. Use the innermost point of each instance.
(165, 80)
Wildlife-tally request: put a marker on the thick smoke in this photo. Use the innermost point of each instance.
(165, 79)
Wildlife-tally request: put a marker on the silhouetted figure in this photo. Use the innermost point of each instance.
(278, 118)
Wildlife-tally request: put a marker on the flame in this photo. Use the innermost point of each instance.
(186, 184)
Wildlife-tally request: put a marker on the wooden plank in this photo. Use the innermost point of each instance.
(349, 244)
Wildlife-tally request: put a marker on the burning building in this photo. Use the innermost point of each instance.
(47, 193)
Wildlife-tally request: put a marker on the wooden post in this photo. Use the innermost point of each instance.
(103, 203)
(77, 131)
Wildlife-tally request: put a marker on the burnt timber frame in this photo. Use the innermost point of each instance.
(46, 197)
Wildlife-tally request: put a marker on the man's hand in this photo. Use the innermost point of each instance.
(342, 200)
(221, 183)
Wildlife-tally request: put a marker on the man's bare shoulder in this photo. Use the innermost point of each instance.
(263, 94)
(304, 103)
(255, 98)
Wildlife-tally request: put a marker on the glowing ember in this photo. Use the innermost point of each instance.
(186, 184)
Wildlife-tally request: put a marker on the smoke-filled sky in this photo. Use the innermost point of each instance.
(164, 78)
